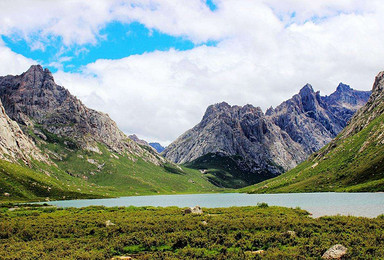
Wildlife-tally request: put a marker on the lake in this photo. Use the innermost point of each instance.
(319, 204)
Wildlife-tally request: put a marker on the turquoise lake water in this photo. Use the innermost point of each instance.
(319, 204)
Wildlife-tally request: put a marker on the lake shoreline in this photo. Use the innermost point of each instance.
(319, 204)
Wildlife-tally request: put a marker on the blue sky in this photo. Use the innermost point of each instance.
(116, 40)
(155, 65)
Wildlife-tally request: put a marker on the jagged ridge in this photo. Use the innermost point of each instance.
(353, 161)
(271, 142)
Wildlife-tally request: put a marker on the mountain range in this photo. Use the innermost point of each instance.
(54, 147)
(353, 161)
(74, 148)
(240, 145)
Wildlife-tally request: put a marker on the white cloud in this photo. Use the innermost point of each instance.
(264, 54)
(11, 62)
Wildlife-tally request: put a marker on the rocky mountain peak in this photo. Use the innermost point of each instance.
(36, 76)
(307, 90)
(216, 107)
(251, 109)
(35, 69)
(272, 142)
(34, 99)
(343, 88)
(378, 86)
(309, 98)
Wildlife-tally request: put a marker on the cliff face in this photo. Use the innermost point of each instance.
(313, 121)
(236, 130)
(271, 142)
(34, 100)
(14, 144)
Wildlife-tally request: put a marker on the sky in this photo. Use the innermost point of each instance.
(155, 65)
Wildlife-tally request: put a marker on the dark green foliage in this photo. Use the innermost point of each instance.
(226, 171)
(165, 233)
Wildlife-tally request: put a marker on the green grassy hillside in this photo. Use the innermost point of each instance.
(77, 173)
(353, 162)
(224, 171)
(18, 183)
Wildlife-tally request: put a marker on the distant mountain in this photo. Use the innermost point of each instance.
(353, 161)
(71, 146)
(158, 147)
(266, 144)
(155, 146)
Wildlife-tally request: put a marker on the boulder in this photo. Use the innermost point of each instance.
(109, 223)
(335, 252)
(194, 210)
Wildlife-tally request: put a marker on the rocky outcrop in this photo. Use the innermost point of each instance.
(335, 252)
(34, 100)
(197, 210)
(14, 144)
(138, 140)
(271, 142)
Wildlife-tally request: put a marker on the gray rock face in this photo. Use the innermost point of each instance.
(34, 99)
(313, 121)
(271, 142)
(14, 144)
(236, 130)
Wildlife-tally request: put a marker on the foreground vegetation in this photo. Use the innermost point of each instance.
(165, 233)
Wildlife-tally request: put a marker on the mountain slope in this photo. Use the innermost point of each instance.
(84, 150)
(271, 143)
(353, 161)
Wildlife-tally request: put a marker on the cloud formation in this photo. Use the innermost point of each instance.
(266, 51)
